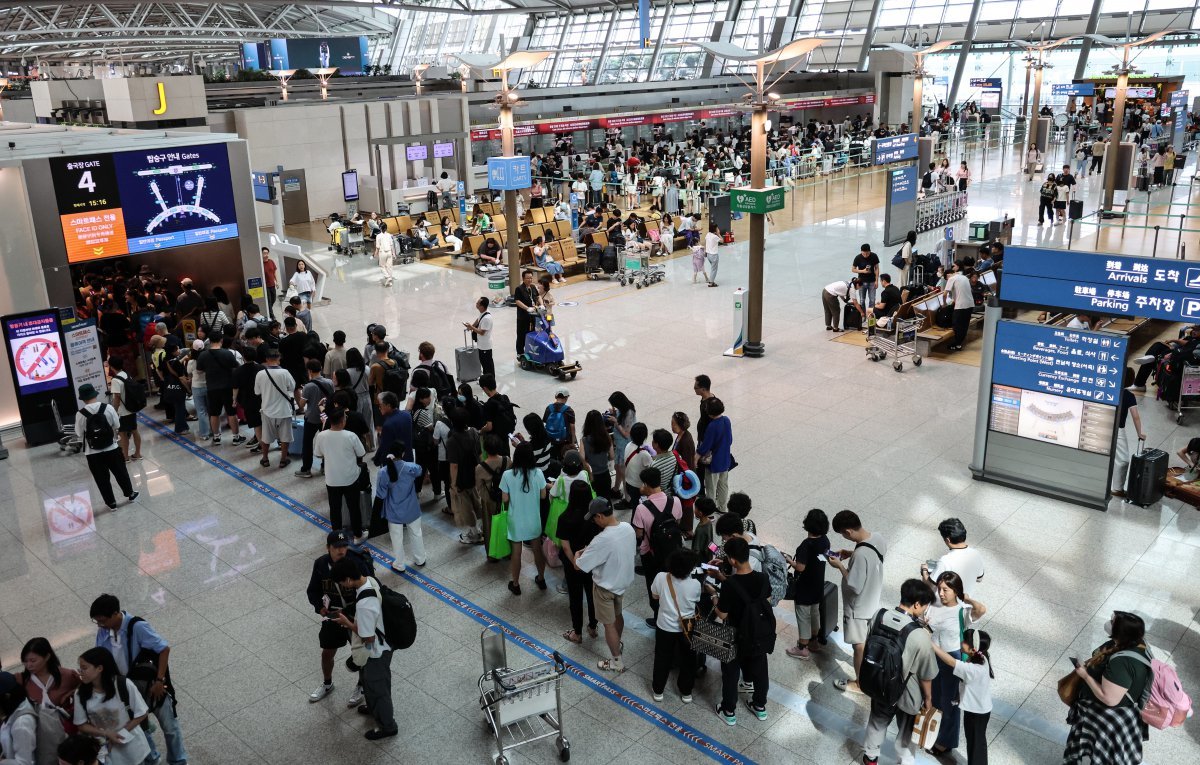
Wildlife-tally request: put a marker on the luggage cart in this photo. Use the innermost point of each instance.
(1189, 391)
(520, 706)
(68, 441)
(900, 340)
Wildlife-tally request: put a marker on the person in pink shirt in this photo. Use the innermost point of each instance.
(667, 511)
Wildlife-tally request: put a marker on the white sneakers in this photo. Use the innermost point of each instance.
(323, 690)
(356, 697)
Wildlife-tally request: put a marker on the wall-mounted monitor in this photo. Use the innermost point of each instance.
(416, 152)
(138, 201)
(36, 352)
(350, 185)
(443, 150)
(347, 54)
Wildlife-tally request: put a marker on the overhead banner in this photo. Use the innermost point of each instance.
(83, 354)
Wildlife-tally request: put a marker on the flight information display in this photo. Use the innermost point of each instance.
(138, 201)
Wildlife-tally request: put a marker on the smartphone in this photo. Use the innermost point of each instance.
(822, 558)
(708, 567)
(1074, 662)
(712, 548)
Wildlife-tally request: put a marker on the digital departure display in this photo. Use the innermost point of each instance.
(416, 152)
(443, 150)
(137, 201)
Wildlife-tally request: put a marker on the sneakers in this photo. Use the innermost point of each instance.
(870, 760)
(657, 696)
(1189, 476)
(796, 652)
(1138, 388)
(216, 440)
(729, 717)
(252, 443)
(304, 474)
(686, 699)
(1147, 359)
(239, 439)
(323, 690)
(375, 734)
(759, 712)
(744, 687)
(133, 496)
(356, 697)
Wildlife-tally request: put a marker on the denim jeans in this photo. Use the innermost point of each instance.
(200, 398)
(169, 723)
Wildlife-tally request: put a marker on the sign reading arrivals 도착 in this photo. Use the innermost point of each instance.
(1098, 283)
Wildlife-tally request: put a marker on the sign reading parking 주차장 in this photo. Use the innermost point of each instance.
(1098, 283)
(1060, 361)
(896, 148)
(509, 173)
(761, 201)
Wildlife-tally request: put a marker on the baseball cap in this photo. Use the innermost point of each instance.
(599, 506)
(197, 345)
(562, 392)
(337, 539)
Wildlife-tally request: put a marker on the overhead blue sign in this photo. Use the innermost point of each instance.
(1060, 361)
(509, 173)
(1097, 283)
(895, 148)
(264, 186)
(904, 184)
(1073, 89)
(987, 83)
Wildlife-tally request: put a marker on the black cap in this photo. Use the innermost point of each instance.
(599, 506)
(337, 539)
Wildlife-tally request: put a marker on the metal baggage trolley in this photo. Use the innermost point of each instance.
(69, 441)
(1189, 391)
(520, 705)
(899, 339)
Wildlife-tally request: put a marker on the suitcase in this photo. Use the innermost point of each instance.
(830, 616)
(1075, 209)
(851, 318)
(1147, 476)
(296, 446)
(467, 367)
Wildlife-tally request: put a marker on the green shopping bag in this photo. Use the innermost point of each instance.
(498, 545)
(558, 506)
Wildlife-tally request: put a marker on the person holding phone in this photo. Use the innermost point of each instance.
(806, 586)
(109, 707)
(328, 599)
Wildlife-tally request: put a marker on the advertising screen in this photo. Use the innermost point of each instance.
(989, 99)
(416, 152)
(443, 150)
(137, 201)
(348, 54)
(350, 185)
(1132, 92)
(36, 351)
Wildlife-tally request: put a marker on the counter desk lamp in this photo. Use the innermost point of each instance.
(323, 75)
(283, 75)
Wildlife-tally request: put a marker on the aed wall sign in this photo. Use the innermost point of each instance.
(760, 201)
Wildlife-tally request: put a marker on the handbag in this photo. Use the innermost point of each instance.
(498, 545)
(715, 639)
(1068, 686)
(686, 624)
(926, 727)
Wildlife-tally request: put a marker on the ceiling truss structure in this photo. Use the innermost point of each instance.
(70, 30)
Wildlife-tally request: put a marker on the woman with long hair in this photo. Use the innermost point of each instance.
(575, 533)
(1106, 726)
(523, 487)
(46, 681)
(685, 447)
(103, 703)
(621, 417)
(360, 384)
(598, 453)
(948, 618)
(303, 282)
(538, 440)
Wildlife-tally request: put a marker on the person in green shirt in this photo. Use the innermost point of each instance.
(702, 534)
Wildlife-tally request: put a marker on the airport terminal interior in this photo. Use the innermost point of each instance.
(912, 281)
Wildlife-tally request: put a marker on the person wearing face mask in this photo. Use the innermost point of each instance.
(918, 668)
(1106, 726)
(948, 618)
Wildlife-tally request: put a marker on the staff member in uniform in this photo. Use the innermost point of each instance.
(482, 332)
(527, 299)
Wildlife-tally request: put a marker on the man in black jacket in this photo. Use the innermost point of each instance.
(327, 598)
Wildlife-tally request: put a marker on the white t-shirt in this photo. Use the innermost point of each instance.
(116, 386)
(635, 463)
(610, 558)
(967, 562)
(975, 695)
(712, 243)
(1075, 323)
(838, 289)
(110, 414)
(276, 404)
(368, 618)
(959, 287)
(484, 322)
(945, 627)
(111, 714)
(340, 451)
(687, 593)
(385, 244)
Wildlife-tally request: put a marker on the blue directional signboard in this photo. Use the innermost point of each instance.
(900, 209)
(1093, 283)
(987, 83)
(1073, 89)
(896, 148)
(1060, 361)
(509, 173)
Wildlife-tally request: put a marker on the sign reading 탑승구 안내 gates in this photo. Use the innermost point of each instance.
(761, 201)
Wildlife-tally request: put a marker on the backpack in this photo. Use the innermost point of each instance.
(944, 316)
(441, 380)
(400, 357)
(1164, 704)
(431, 200)
(493, 489)
(756, 628)
(665, 535)
(556, 422)
(398, 618)
(48, 735)
(776, 569)
(898, 259)
(508, 416)
(395, 380)
(143, 668)
(134, 399)
(98, 431)
(882, 676)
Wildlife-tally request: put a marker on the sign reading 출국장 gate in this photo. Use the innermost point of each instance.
(1098, 283)
(761, 201)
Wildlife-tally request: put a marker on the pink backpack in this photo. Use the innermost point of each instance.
(1164, 703)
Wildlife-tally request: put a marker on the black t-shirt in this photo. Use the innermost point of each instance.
(575, 530)
(243, 380)
(738, 590)
(1128, 400)
(890, 297)
(869, 261)
(810, 583)
(495, 412)
(218, 365)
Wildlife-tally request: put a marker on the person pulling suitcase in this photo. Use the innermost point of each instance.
(1121, 459)
(481, 332)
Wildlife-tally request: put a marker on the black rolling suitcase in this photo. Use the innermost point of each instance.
(830, 616)
(1147, 475)
(1075, 209)
(594, 252)
(851, 318)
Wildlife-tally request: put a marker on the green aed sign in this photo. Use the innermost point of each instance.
(761, 201)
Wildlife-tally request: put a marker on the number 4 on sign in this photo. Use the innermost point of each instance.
(86, 182)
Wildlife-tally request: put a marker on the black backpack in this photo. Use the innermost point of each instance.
(665, 535)
(395, 379)
(98, 431)
(507, 421)
(944, 316)
(441, 380)
(398, 618)
(756, 628)
(882, 676)
(493, 488)
(134, 398)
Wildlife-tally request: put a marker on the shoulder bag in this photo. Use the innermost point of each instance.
(686, 625)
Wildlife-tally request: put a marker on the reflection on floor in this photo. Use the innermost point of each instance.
(220, 569)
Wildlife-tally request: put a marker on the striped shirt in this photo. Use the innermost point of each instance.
(666, 464)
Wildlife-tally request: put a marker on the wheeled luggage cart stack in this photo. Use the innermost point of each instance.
(520, 706)
(1189, 391)
(900, 340)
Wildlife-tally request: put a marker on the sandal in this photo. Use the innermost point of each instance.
(611, 665)
(573, 636)
(265, 462)
(284, 464)
(591, 630)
